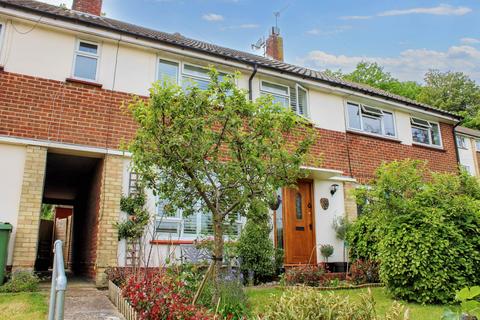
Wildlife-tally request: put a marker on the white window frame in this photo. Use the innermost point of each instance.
(177, 62)
(477, 145)
(3, 26)
(382, 125)
(429, 127)
(266, 92)
(306, 110)
(77, 52)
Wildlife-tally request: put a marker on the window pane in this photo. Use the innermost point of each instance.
(284, 101)
(371, 111)
(420, 122)
(195, 71)
(298, 206)
(373, 125)
(207, 224)
(478, 145)
(190, 82)
(435, 134)
(353, 116)
(167, 227)
(167, 71)
(302, 101)
(275, 88)
(88, 47)
(420, 135)
(85, 67)
(190, 224)
(388, 124)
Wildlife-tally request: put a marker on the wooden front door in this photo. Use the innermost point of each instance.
(299, 224)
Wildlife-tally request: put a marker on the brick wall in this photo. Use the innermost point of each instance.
(86, 115)
(25, 251)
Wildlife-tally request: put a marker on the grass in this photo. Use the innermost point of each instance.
(260, 297)
(23, 306)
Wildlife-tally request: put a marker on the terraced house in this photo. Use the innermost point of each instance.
(63, 76)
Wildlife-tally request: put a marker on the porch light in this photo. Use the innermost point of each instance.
(333, 189)
(276, 204)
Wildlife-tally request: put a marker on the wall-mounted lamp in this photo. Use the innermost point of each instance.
(333, 189)
(276, 203)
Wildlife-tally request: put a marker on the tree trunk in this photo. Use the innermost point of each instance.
(217, 256)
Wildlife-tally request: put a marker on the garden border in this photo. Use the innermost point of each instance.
(359, 286)
(122, 305)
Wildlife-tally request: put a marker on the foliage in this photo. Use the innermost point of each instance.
(215, 151)
(326, 250)
(21, 281)
(363, 238)
(256, 250)
(308, 303)
(189, 274)
(428, 230)
(341, 226)
(47, 212)
(159, 296)
(469, 299)
(364, 272)
(138, 216)
(309, 275)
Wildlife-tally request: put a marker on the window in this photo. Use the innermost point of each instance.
(371, 120)
(1, 35)
(461, 142)
(425, 132)
(167, 71)
(193, 226)
(477, 142)
(86, 60)
(193, 75)
(280, 93)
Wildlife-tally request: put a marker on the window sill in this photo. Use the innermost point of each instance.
(84, 82)
(376, 136)
(171, 242)
(426, 146)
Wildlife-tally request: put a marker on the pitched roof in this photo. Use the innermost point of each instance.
(208, 48)
(468, 131)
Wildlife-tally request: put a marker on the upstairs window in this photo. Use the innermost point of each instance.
(86, 60)
(477, 142)
(461, 142)
(425, 132)
(295, 97)
(1, 35)
(167, 71)
(371, 120)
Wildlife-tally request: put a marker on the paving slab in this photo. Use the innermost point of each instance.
(89, 304)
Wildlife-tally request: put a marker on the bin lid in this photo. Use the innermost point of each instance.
(5, 226)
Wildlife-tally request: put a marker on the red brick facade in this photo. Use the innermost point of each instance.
(87, 115)
(89, 6)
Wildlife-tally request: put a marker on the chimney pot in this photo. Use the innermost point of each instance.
(88, 6)
(275, 45)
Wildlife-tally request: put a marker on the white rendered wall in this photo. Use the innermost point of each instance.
(324, 232)
(466, 155)
(12, 161)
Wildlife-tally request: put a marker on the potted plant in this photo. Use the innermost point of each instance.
(327, 251)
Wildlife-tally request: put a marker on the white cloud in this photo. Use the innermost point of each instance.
(441, 10)
(356, 17)
(329, 31)
(212, 17)
(242, 26)
(470, 40)
(410, 64)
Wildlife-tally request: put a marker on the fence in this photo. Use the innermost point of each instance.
(115, 295)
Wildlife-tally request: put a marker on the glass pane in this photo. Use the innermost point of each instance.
(279, 224)
(353, 116)
(274, 88)
(168, 227)
(167, 71)
(195, 71)
(373, 125)
(190, 224)
(85, 67)
(207, 224)
(388, 124)
(420, 135)
(302, 101)
(190, 82)
(293, 99)
(372, 111)
(284, 101)
(420, 122)
(478, 145)
(435, 134)
(298, 206)
(88, 47)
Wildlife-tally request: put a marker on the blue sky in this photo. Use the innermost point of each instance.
(407, 37)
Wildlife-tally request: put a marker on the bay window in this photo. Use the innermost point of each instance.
(425, 132)
(86, 60)
(371, 120)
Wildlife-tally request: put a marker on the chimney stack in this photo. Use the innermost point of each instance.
(88, 6)
(275, 45)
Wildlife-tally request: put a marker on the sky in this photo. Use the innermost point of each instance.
(407, 37)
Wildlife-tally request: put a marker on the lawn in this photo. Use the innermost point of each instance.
(259, 298)
(23, 306)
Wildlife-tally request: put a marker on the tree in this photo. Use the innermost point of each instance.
(215, 151)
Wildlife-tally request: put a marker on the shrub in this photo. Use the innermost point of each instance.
(309, 275)
(364, 272)
(158, 296)
(256, 251)
(311, 304)
(21, 281)
(363, 238)
(427, 226)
